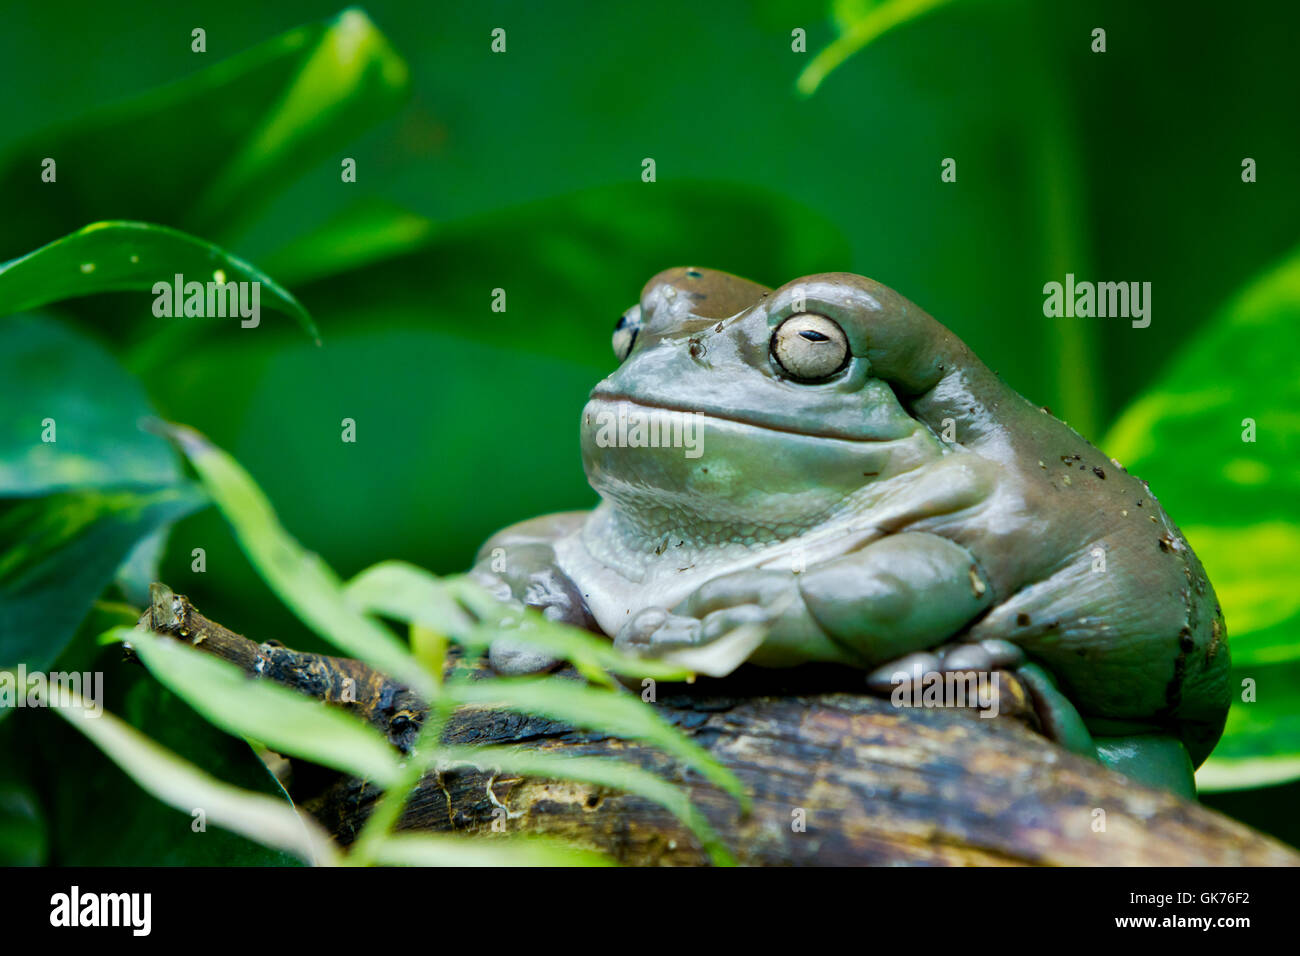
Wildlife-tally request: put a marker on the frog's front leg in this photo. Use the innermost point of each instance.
(518, 566)
(902, 593)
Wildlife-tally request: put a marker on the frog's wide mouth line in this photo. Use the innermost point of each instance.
(615, 397)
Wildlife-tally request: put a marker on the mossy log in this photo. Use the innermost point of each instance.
(837, 777)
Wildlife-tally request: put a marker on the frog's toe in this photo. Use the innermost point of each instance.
(910, 667)
(515, 658)
(655, 629)
(989, 655)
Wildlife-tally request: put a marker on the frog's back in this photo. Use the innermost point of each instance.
(1092, 578)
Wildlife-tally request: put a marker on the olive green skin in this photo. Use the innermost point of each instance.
(930, 502)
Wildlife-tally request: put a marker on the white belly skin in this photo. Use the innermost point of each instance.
(617, 582)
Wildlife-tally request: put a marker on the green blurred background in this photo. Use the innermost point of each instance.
(522, 171)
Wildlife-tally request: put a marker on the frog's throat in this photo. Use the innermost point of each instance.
(676, 409)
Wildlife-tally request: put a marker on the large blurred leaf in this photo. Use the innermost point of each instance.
(1238, 502)
(106, 484)
(1259, 745)
(121, 256)
(208, 151)
(270, 821)
(47, 371)
(58, 553)
(81, 789)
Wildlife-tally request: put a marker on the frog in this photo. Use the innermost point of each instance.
(846, 483)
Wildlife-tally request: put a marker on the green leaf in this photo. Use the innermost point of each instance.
(610, 712)
(286, 721)
(23, 837)
(302, 580)
(433, 849)
(1236, 500)
(95, 814)
(600, 771)
(58, 553)
(408, 593)
(207, 153)
(48, 371)
(860, 24)
(121, 256)
(1261, 742)
(166, 776)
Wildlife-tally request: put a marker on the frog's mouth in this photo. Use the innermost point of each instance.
(803, 431)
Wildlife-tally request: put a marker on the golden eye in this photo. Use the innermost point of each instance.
(625, 332)
(810, 347)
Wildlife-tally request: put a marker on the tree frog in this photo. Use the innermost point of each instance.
(825, 473)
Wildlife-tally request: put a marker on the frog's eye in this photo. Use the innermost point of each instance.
(810, 347)
(625, 332)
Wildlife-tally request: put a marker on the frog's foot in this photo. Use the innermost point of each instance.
(987, 656)
(715, 644)
(512, 658)
(1157, 760)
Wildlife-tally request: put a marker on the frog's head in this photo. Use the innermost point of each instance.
(767, 406)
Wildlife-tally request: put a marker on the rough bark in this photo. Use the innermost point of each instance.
(872, 783)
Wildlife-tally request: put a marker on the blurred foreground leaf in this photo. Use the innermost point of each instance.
(267, 820)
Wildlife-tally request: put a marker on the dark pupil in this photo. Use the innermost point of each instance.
(812, 336)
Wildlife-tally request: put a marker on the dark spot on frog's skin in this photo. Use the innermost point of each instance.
(1185, 641)
(1098, 472)
(1139, 502)
(870, 474)
(1166, 543)
(718, 327)
(1070, 459)
(1022, 620)
(696, 347)
(1045, 410)
(693, 273)
(704, 470)
(1174, 689)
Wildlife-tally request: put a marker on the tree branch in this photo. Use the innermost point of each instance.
(872, 783)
